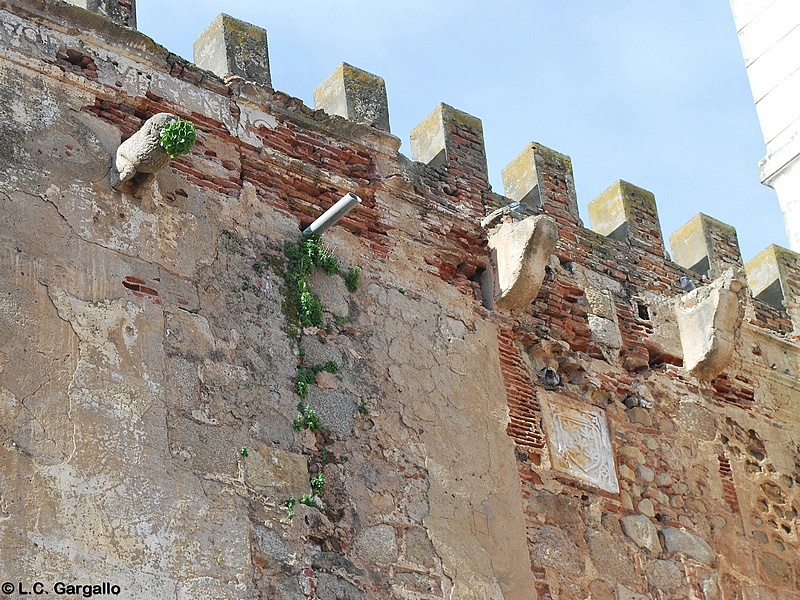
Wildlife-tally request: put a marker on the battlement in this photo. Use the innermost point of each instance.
(493, 399)
(538, 181)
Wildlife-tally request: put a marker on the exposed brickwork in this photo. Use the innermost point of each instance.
(557, 187)
(728, 485)
(770, 317)
(726, 253)
(524, 409)
(737, 391)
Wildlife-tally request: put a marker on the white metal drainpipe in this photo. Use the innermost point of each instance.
(331, 216)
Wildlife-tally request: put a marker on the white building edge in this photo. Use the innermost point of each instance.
(769, 34)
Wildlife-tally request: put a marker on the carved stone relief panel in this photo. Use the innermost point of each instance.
(580, 445)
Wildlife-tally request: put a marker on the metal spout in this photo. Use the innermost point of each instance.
(331, 216)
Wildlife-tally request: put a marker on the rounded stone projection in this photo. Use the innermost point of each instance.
(142, 152)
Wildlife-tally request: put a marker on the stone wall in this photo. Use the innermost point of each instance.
(629, 430)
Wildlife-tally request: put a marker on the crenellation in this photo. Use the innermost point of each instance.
(122, 12)
(541, 180)
(774, 279)
(354, 94)
(625, 212)
(706, 246)
(452, 140)
(602, 424)
(230, 46)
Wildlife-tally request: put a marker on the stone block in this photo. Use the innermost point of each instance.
(580, 445)
(610, 557)
(276, 473)
(332, 293)
(645, 506)
(355, 95)
(664, 575)
(642, 531)
(624, 593)
(601, 303)
(776, 570)
(542, 180)
(333, 587)
(417, 583)
(122, 12)
(625, 212)
(335, 409)
(709, 318)
(773, 276)
(706, 246)
(556, 509)
(319, 350)
(697, 421)
(378, 543)
(208, 448)
(680, 541)
(232, 47)
(640, 416)
(419, 549)
(330, 561)
(605, 331)
(521, 251)
(550, 547)
(188, 335)
(435, 141)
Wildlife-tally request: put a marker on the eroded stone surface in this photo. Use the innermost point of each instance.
(709, 319)
(521, 251)
(681, 541)
(642, 531)
(581, 445)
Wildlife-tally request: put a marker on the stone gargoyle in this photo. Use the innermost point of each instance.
(143, 152)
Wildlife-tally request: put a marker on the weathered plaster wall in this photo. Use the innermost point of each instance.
(561, 451)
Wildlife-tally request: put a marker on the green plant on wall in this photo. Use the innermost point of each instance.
(351, 279)
(318, 483)
(178, 137)
(290, 507)
(307, 418)
(309, 500)
(306, 376)
(302, 258)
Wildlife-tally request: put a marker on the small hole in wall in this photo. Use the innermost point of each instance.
(644, 312)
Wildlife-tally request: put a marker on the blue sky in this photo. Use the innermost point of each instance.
(653, 92)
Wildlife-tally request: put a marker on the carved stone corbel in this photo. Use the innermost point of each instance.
(709, 318)
(520, 251)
